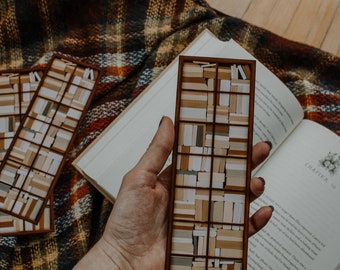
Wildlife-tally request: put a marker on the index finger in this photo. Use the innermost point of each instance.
(260, 153)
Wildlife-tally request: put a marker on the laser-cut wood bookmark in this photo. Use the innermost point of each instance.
(209, 204)
(17, 88)
(35, 157)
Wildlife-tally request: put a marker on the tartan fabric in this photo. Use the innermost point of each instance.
(133, 41)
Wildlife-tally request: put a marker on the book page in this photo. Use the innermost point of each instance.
(303, 185)
(120, 146)
(277, 111)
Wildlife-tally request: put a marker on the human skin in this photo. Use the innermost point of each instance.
(136, 231)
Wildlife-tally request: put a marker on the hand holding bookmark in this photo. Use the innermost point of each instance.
(136, 232)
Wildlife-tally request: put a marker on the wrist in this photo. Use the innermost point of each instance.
(103, 255)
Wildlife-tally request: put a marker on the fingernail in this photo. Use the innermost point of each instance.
(272, 207)
(270, 144)
(160, 122)
(262, 180)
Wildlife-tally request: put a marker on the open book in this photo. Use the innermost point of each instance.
(302, 174)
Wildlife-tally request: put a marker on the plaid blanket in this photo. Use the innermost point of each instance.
(133, 41)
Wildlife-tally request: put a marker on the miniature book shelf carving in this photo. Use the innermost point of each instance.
(17, 88)
(209, 202)
(35, 156)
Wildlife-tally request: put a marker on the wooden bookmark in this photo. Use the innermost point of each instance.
(209, 202)
(19, 86)
(10, 225)
(38, 151)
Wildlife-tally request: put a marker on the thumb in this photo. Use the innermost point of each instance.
(159, 149)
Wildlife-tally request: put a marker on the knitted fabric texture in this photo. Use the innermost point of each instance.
(133, 41)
